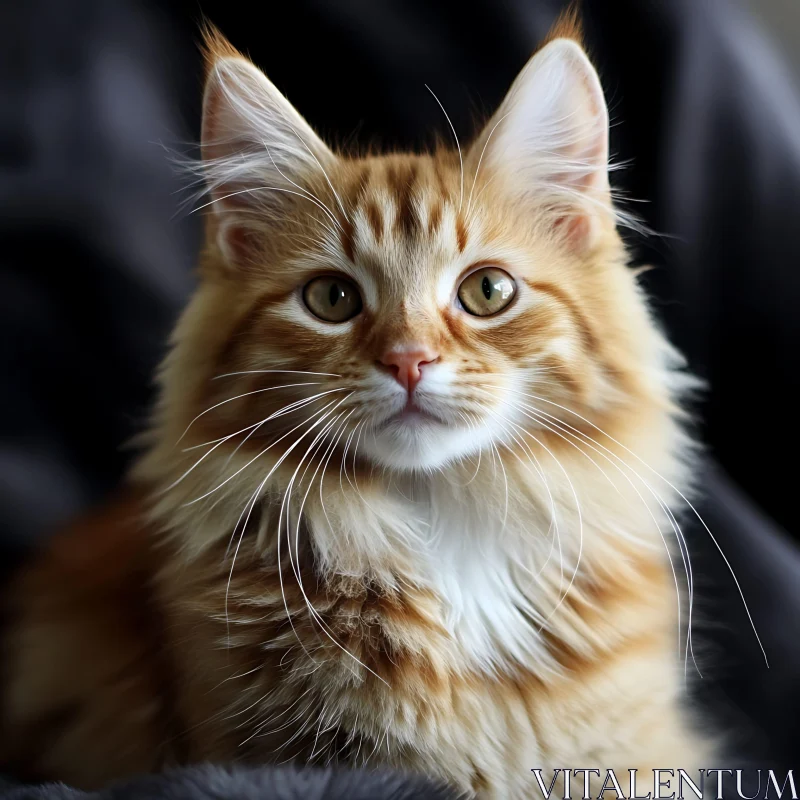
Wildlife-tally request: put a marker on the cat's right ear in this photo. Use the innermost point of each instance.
(257, 151)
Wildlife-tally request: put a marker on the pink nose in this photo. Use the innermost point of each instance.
(406, 365)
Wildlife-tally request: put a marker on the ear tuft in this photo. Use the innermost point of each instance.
(215, 46)
(568, 25)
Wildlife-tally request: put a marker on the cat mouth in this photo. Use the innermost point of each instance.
(412, 414)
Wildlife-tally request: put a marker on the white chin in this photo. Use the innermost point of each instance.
(419, 444)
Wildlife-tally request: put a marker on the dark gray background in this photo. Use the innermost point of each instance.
(95, 262)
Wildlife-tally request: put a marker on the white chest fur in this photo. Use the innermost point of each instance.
(491, 561)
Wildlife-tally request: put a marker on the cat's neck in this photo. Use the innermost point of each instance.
(499, 548)
(498, 544)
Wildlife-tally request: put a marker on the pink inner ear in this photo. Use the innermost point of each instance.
(577, 230)
(238, 244)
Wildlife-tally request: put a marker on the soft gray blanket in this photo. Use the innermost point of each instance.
(246, 783)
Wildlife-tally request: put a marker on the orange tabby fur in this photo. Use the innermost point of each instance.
(168, 631)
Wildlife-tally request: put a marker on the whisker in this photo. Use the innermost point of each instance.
(682, 545)
(314, 156)
(255, 189)
(275, 371)
(553, 516)
(505, 482)
(252, 503)
(676, 528)
(321, 417)
(343, 465)
(256, 457)
(218, 442)
(458, 145)
(473, 427)
(577, 508)
(355, 476)
(330, 454)
(688, 503)
(296, 406)
(480, 161)
(287, 409)
(239, 397)
(310, 195)
(323, 625)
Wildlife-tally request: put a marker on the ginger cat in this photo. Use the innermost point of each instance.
(405, 496)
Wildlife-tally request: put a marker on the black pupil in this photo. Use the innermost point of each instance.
(486, 287)
(335, 293)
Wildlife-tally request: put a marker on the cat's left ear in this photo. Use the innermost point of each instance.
(548, 141)
(258, 152)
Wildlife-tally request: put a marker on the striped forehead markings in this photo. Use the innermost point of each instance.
(358, 191)
(411, 185)
(402, 182)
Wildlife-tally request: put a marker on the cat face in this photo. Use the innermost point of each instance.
(410, 307)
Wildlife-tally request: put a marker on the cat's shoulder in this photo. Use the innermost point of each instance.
(77, 653)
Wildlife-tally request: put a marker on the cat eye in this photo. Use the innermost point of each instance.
(332, 298)
(486, 291)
